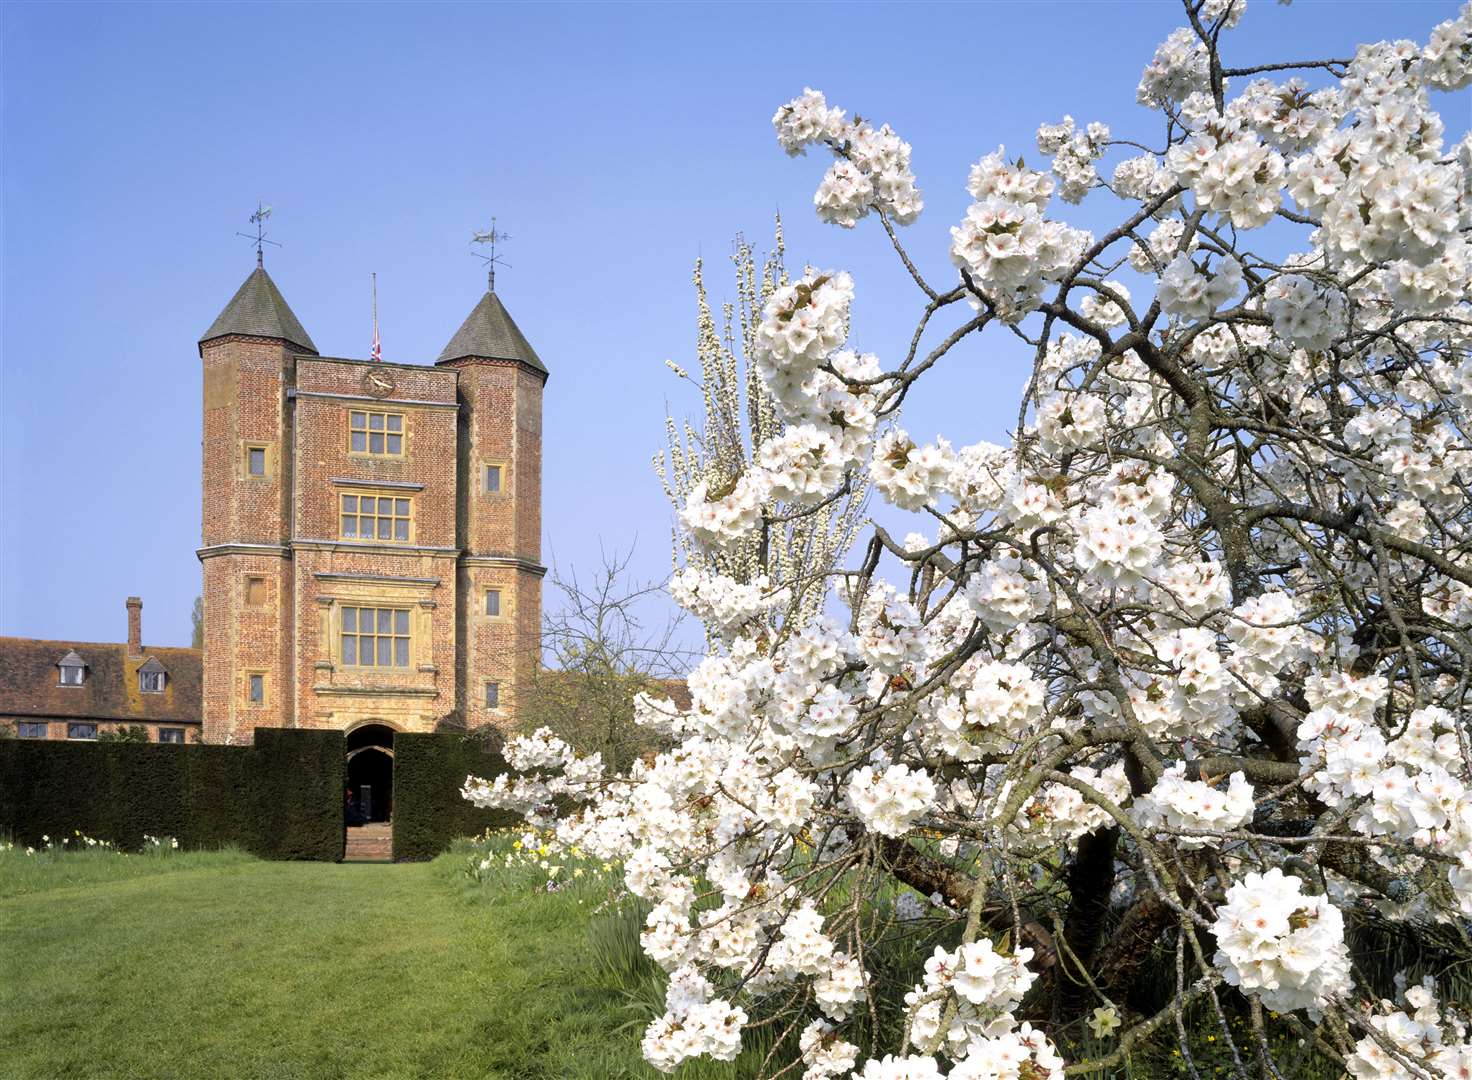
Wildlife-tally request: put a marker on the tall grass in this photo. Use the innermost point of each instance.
(901, 942)
(70, 862)
(509, 868)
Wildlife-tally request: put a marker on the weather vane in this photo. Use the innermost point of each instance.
(259, 219)
(491, 236)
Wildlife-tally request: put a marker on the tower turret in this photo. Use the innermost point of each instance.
(249, 362)
(259, 310)
(499, 510)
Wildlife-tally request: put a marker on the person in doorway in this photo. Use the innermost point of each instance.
(354, 814)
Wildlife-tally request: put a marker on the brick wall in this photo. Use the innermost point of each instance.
(502, 534)
(323, 457)
(247, 630)
(244, 405)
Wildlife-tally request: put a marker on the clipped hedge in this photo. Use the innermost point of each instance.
(429, 771)
(305, 814)
(280, 799)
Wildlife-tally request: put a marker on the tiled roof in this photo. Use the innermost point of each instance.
(30, 682)
(259, 309)
(678, 691)
(490, 333)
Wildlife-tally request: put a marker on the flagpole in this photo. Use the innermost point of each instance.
(377, 348)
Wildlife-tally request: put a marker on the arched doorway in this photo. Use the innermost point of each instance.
(370, 774)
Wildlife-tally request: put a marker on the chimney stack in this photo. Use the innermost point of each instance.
(135, 626)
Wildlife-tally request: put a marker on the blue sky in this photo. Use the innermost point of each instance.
(615, 143)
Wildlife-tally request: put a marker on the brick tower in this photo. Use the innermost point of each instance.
(372, 530)
(500, 499)
(249, 356)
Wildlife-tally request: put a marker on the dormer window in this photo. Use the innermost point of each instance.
(151, 677)
(73, 669)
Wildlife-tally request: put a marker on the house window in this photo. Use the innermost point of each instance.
(81, 731)
(375, 433)
(255, 460)
(257, 689)
(171, 735)
(72, 673)
(493, 602)
(493, 479)
(151, 682)
(370, 517)
(375, 637)
(493, 695)
(255, 591)
(31, 730)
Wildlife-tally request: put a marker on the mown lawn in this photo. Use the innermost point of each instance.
(201, 965)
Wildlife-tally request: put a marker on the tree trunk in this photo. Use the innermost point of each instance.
(1090, 881)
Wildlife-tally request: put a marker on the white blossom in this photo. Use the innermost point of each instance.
(889, 802)
(1194, 291)
(1304, 313)
(1177, 803)
(1280, 944)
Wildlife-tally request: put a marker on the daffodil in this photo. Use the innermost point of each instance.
(1104, 1021)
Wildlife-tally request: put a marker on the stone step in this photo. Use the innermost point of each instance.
(369, 843)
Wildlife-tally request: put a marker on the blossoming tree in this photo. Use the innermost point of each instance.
(783, 564)
(1179, 675)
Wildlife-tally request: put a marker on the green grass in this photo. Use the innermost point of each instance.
(205, 964)
(196, 965)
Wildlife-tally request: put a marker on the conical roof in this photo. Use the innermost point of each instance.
(259, 309)
(491, 334)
